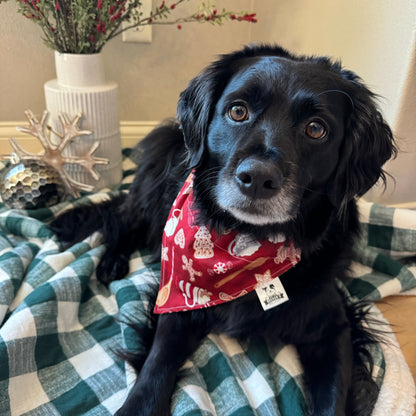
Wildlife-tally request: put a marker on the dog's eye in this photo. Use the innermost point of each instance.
(238, 112)
(316, 130)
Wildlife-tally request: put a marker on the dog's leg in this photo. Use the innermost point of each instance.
(80, 222)
(121, 233)
(122, 238)
(177, 337)
(327, 367)
(124, 231)
(363, 392)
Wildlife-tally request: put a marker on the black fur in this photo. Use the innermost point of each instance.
(263, 175)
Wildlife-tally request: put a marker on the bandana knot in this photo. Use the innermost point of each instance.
(201, 268)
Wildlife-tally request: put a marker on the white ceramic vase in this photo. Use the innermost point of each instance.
(80, 86)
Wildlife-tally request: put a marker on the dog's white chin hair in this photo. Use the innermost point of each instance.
(276, 210)
(257, 219)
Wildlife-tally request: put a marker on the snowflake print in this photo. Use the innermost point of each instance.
(220, 268)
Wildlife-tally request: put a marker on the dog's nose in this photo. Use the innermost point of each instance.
(258, 178)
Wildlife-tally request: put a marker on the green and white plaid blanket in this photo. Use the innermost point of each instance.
(59, 335)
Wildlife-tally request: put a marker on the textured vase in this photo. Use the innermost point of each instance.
(80, 86)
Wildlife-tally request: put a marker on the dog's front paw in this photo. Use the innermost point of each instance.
(63, 228)
(138, 412)
(112, 268)
(142, 409)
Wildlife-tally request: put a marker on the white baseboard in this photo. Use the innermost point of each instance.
(131, 133)
(404, 205)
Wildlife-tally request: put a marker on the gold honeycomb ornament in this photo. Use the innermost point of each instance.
(31, 184)
(38, 180)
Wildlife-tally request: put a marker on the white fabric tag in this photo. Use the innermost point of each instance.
(271, 294)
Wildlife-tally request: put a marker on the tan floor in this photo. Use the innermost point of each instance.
(400, 311)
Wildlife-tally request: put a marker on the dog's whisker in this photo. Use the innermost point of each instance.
(340, 92)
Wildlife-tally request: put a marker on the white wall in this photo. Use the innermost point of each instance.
(375, 38)
(150, 76)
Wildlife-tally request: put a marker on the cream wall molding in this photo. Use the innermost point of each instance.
(131, 133)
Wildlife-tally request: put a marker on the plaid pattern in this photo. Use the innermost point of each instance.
(59, 335)
(385, 261)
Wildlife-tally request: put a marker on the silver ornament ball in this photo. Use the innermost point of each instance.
(31, 184)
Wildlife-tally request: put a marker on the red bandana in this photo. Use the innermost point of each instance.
(201, 268)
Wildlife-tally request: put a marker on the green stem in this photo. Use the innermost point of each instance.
(74, 29)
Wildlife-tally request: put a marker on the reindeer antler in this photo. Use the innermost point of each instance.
(52, 154)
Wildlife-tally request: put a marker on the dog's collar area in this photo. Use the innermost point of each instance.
(202, 268)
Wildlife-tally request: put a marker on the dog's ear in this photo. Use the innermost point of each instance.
(195, 109)
(197, 104)
(367, 145)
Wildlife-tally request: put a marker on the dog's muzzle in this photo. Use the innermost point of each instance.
(257, 192)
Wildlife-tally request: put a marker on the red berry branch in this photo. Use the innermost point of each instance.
(85, 26)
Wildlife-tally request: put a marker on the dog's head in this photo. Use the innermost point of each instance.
(268, 130)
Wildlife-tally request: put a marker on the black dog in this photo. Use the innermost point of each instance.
(278, 144)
